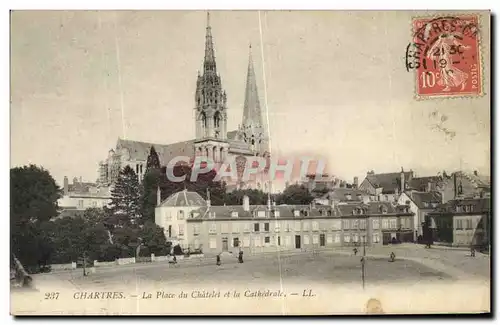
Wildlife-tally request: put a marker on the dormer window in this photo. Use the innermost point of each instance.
(296, 213)
(383, 209)
(234, 214)
(426, 204)
(211, 215)
(306, 213)
(261, 214)
(329, 213)
(276, 213)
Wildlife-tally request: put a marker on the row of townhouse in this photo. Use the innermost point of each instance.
(190, 221)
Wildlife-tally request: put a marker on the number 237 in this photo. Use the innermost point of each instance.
(51, 295)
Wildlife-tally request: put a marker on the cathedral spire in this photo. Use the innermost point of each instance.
(209, 61)
(252, 115)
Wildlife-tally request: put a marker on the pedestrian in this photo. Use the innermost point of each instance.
(218, 260)
(175, 259)
(355, 250)
(392, 257)
(472, 251)
(240, 257)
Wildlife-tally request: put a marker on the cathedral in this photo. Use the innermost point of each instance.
(212, 139)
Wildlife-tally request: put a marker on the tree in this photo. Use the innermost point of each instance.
(127, 238)
(34, 194)
(153, 237)
(295, 194)
(256, 197)
(150, 184)
(153, 161)
(125, 197)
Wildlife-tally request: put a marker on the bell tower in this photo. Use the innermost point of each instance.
(210, 107)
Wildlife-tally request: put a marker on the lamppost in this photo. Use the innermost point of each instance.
(363, 261)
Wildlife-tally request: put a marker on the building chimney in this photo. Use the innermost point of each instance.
(208, 198)
(355, 183)
(429, 187)
(75, 180)
(402, 180)
(158, 196)
(81, 180)
(66, 185)
(246, 203)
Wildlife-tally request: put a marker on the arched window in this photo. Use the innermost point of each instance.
(217, 119)
(204, 119)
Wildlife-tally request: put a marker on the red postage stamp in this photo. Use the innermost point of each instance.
(446, 56)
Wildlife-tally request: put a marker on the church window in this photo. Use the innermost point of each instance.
(204, 119)
(217, 119)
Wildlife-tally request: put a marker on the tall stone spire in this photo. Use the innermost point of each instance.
(210, 98)
(209, 61)
(252, 127)
(252, 116)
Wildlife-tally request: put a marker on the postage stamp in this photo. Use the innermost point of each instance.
(445, 53)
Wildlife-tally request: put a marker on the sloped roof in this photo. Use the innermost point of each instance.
(375, 207)
(421, 183)
(339, 194)
(140, 150)
(389, 182)
(184, 199)
(426, 200)
(287, 211)
(81, 187)
(479, 180)
(480, 205)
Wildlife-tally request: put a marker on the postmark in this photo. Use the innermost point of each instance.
(445, 55)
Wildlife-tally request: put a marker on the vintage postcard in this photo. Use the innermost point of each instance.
(250, 162)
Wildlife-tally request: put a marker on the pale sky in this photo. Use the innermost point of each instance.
(336, 84)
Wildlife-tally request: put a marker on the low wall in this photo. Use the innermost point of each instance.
(60, 267)
(98, 264)
(124, 261)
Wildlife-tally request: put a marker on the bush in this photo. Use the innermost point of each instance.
(144, 252)
(110, 253)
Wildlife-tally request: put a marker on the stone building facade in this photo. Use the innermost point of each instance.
(257, 228)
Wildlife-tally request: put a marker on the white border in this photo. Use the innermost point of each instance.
(185, 4)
